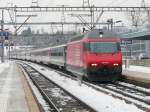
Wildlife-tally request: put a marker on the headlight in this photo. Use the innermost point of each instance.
(116, 64)
(93, 64)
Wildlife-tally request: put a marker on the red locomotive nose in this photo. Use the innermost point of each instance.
(105, 63)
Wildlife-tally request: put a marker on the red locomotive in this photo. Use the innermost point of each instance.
(95, 55)
(98, 58)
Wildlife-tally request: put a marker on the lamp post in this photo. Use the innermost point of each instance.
(111, 23)
(119, 21)
(2, 37)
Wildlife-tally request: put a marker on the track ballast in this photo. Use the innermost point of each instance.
(58, 99)
(131, 93)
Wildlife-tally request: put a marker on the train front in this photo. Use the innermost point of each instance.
(103, 59)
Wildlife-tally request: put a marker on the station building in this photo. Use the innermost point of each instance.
(139, 47)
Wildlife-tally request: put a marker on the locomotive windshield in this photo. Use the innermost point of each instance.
(103, 47)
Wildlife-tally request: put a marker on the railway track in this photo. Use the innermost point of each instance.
(140, 95)
(130, 93)
(58, 99)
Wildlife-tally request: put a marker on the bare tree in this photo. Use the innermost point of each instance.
(139, 18)
(136, 18)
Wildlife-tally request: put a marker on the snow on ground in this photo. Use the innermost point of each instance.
(99, 101)
(138, 69)
(37, 94)
(4, 66)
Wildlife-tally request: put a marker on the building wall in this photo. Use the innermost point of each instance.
(137, 48)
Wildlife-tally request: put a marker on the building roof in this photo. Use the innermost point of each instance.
(140, 35)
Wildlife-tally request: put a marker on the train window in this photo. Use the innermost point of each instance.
(102, 47)
(57, 52)
(118, 46)
(45, 53)
(86, 46)
(61, 53)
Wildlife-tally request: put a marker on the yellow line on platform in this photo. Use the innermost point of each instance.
(30, 98)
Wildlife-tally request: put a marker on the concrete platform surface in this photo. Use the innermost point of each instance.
(12, 96)
(137, 76)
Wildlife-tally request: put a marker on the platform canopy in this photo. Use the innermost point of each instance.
(140, 35)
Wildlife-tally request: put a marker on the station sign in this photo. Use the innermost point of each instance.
(126, 42)
(4, 33)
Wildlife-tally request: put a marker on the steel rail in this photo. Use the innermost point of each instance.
(126, 96)
(117, 88)
(47, 97)
(134, 87)
(107, 90)
(51, 104)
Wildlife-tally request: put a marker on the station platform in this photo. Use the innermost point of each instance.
(137, 75)
(15, 95)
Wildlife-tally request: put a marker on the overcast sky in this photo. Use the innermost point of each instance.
(53, 17)
(75, 2)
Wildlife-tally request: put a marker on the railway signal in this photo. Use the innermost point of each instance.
(4, 34)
